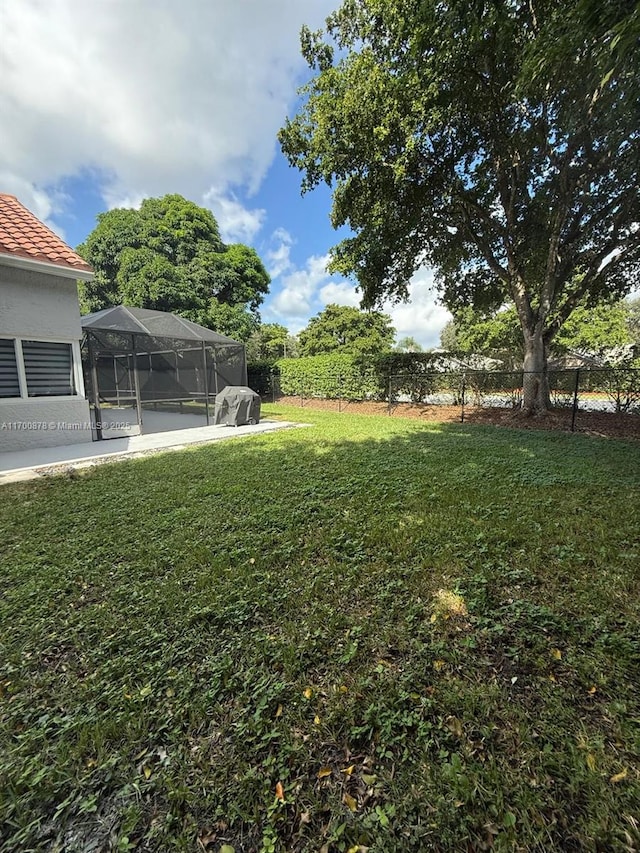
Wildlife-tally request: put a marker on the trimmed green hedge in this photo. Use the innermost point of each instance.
(330, 377)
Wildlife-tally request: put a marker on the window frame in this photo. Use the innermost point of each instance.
(22, 375)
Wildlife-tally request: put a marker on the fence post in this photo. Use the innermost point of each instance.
(464, 382)
(575, 401)
(390, 393)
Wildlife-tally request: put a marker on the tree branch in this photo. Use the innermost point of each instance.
(574, 299)
(485, 248)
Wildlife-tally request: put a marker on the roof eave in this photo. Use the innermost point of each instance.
(34, 265)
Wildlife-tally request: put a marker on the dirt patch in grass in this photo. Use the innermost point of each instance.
(604, 424)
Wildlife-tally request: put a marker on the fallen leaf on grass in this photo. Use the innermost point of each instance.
(439, 665)
(280, 792)
(557, 654)
(592, 689)
(279, 711)
(350, 802)
(324, 772)
(618, 777)
(308, 693)
(316, 720)
(349, 770)
(591, 761)
(147, 772)
(455, 726)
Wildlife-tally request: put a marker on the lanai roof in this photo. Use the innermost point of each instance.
(160, 324)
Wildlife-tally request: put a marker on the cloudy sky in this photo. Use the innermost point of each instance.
(107, 102)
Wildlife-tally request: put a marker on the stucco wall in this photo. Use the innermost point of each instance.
(40, 306)
(43, 423)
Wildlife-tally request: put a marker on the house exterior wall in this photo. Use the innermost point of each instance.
(43, 307)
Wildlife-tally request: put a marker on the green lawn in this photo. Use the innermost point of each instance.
(371, 633)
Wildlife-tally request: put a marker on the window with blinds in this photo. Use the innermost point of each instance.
(48, 368)
(9, 382)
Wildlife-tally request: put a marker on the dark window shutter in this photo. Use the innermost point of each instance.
(49, 369)
(9, 382)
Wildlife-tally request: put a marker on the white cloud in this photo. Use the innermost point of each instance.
(305, 292)
(421, 317)
(340, 293)
(279, 258)
(237, 223)
(156, 96)
(43, 204)
(295, 302)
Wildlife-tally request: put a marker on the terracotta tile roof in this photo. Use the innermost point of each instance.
(22, 234)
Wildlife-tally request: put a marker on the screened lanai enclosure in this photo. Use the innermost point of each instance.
(149, 371)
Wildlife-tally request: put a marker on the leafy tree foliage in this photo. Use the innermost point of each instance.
(497, 142)
(269, 342)
(594, 330)
(168, 255)
(448, 337)
(633, 320)
(587, 330)
(343, 329)
(496, 334)
(408, 344)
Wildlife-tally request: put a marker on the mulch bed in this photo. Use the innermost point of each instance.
(605, 424)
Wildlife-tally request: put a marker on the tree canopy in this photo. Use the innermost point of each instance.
(497, 142)
(592, 331)
(633, 320)
(271, 341)
(408, 344)
(168, 255)
(343, 329)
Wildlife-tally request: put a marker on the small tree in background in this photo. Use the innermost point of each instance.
(408, 344)
(593, 331)
(269, 342)
(343, 329)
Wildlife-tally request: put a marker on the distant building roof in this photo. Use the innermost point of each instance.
(23, 235)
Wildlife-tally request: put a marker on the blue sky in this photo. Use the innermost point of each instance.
(106, 102)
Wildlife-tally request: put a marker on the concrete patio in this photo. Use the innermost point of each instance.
(30, 464)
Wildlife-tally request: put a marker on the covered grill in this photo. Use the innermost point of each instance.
(237, 405)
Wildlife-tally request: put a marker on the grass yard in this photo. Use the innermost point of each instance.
(369, 634)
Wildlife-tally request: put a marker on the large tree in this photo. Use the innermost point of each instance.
(343, 329)
(496, 140)
(168, 255)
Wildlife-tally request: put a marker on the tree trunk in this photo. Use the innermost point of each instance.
(535, 392)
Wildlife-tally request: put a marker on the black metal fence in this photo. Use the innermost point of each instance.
(574, 394)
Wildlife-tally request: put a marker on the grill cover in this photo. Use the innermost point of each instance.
(237, 405)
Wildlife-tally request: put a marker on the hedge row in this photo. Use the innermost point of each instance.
(417, 377)
(330, 377)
